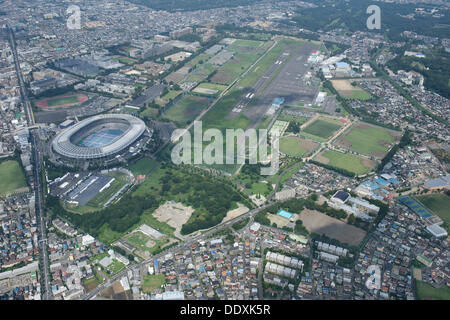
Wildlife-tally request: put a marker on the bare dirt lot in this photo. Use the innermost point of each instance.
(236, 212)
(317, 222)
(174, 214)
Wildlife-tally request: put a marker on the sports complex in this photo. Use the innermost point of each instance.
(100, 137)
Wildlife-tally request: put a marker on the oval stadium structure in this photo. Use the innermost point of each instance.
(98, 137)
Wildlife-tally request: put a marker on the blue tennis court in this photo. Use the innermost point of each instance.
(101, 138)
(284, 214)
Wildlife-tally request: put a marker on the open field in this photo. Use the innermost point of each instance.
(186, 109)
(261, 188)
(142, 166)
(317, 222)
(11, 177)
(439, 203)
(368, 139)
(152, 282)
(290, 118)
(348, 162)
(61, 101)
(279, 221)
(428, 292)
(347, 90)
(174, 214)
(323, 127)
(295, 146)
(209, 89)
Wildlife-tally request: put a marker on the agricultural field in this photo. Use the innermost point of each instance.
(12, 177)
(368, 139)
(438, 203)
(186, 109)
(426, 291)
(323, 127)
(349, 162)
(295, 146)
(348, 91)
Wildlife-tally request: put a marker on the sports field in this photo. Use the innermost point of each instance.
(348, 91)
(439, 203)
(61, 101)
(348, 162)
(426, 291)
(152, 282)
(295, 146)
(368, 139)
(323, 127)
(186, 109)
(12, 177)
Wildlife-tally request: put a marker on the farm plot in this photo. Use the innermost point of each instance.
(368, 139)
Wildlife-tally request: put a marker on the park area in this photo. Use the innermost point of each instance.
(323, 127)
(12, 178)
(319, 223)
(186, 109)
(61, 101)
(348, 162)
(438, 203)
(368, 139)
(295, 146)
(349, 91)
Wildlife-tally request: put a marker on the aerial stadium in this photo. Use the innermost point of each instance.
(101, 137)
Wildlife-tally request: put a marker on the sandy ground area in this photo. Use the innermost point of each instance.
(174, 214)
(317, 222)
(236, 212)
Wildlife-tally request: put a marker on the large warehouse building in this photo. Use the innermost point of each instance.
(100, 137)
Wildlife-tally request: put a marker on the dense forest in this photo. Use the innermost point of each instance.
(435, 68)
(351, 15)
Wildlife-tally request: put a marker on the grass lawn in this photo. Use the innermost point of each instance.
(344, 161)
(289, 118)
(152, 282)
(212, 86)
(186, 109)
(438, 203)
(261, 188)
(262, 66)
(428, 292)
(292, 146)
(142, 166)
(366, 141)
(139, 240)
(360, 95)
(116, 266)
(172, 94)
(11, 177)
(63, 100)
(323, 128)
(217, 116)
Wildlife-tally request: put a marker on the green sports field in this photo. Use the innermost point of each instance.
(344, 161)
(292, 146)
(63, 100)
(323, 127)
(428, 292)
(11, 177)
(438, 203)
(142, 166)
(368, 139)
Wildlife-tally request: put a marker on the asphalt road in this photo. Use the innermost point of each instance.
(41, 223)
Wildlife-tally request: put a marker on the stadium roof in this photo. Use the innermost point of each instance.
(63, 145)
